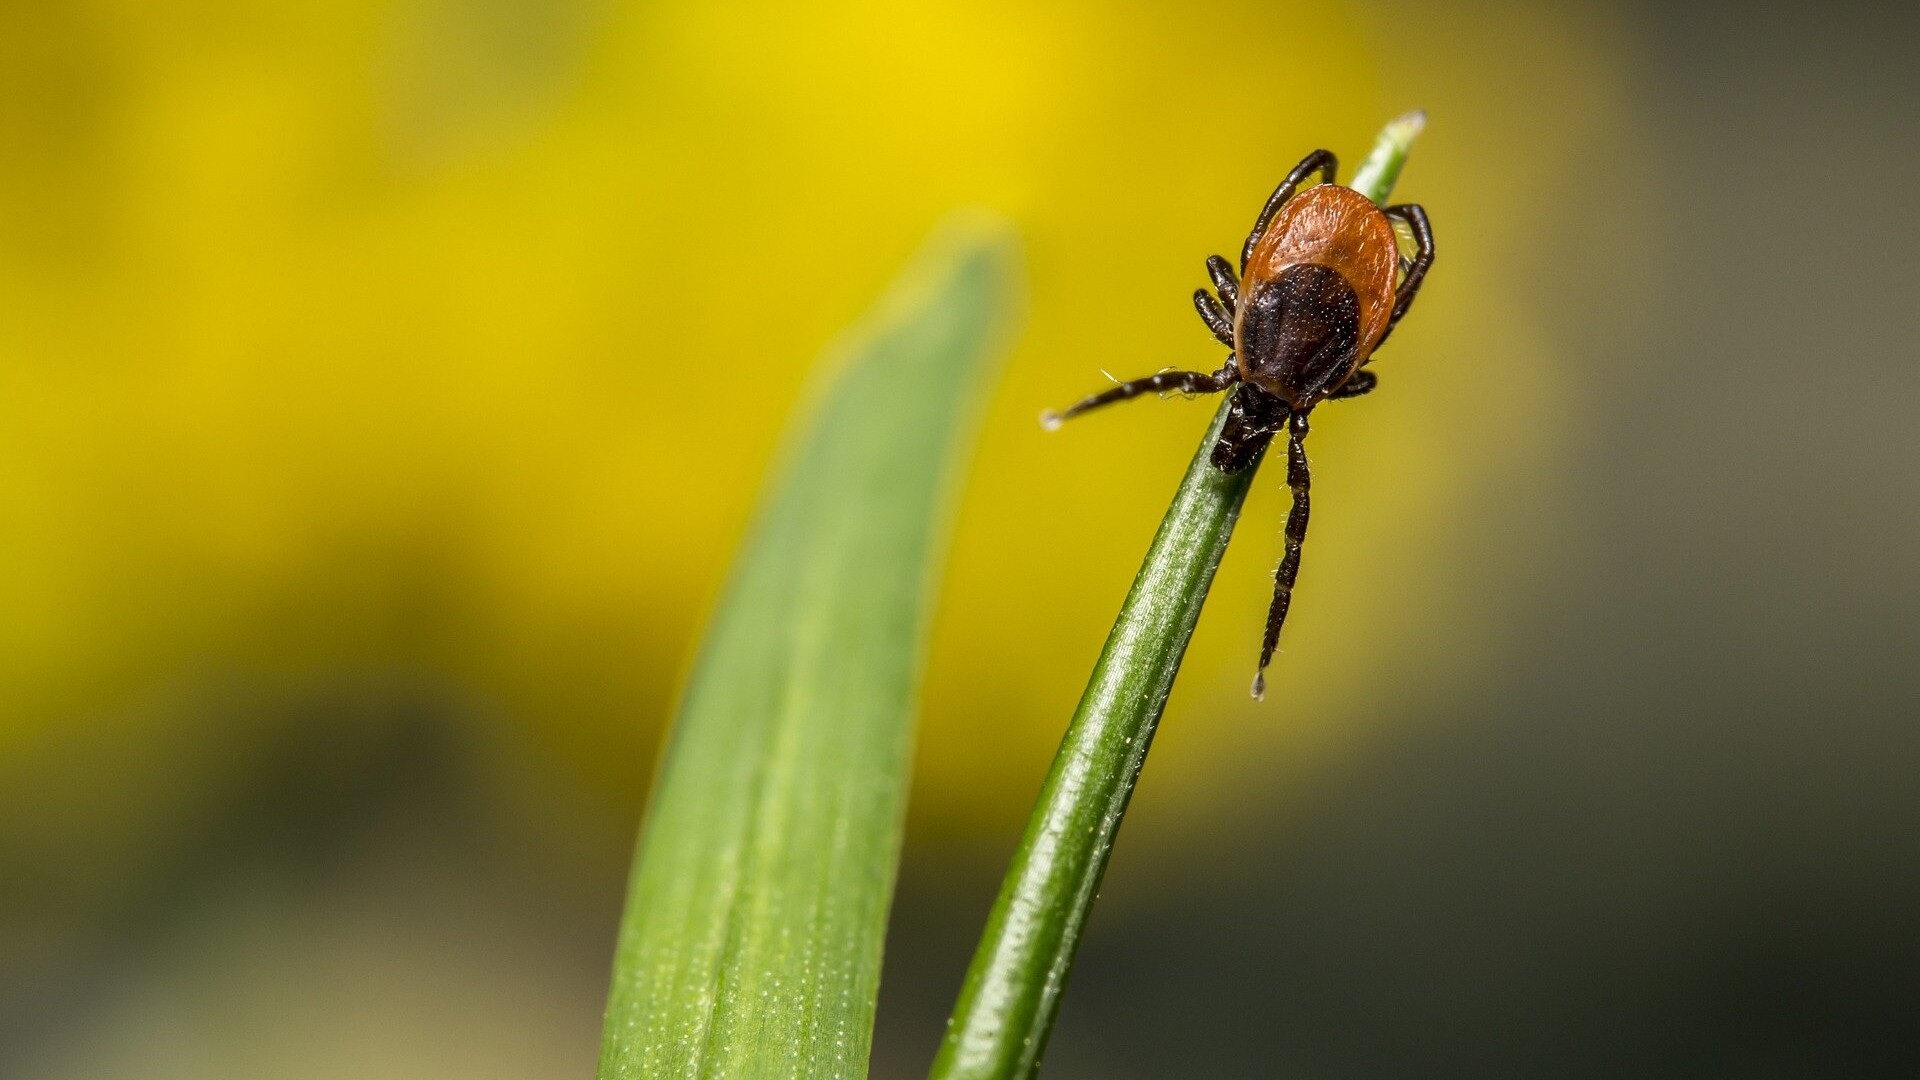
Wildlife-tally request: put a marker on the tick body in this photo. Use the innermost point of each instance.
(1317, 295)
(1321, 285)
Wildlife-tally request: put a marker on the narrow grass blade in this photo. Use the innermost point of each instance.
(1012, 990)
(750, 945)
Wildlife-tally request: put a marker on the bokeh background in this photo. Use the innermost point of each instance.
(383, 386)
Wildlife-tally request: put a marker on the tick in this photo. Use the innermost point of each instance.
(1322, 283)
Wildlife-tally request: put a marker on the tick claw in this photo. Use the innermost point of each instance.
(1050, 420)
(1259, 686)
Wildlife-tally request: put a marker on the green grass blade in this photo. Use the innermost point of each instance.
(750, 945)
(1012, 990)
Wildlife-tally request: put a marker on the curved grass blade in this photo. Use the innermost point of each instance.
(750, 944)
(1012, 991)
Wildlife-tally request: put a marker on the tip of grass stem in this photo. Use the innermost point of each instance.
(1376, 175)
(1407, 126)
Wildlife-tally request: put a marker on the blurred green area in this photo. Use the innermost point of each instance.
(351, 355)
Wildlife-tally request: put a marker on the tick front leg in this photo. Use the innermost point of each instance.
(1416, 218)
(1224, 283)
(1185, 382)
(1361, 382)
(1322, 160)
(1251, 424)
(1211, 314)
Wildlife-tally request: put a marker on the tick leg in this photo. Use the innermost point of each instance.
(1215, 318)
(1361, 382)
(1224, 283)
(1322, 160)
(1283, 578)
(1186, 382)
(1416, 218)
(1250, 426)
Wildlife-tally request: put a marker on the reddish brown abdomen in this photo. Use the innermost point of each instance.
(1317, 295)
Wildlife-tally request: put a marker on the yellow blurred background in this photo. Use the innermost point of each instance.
(386, 384)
